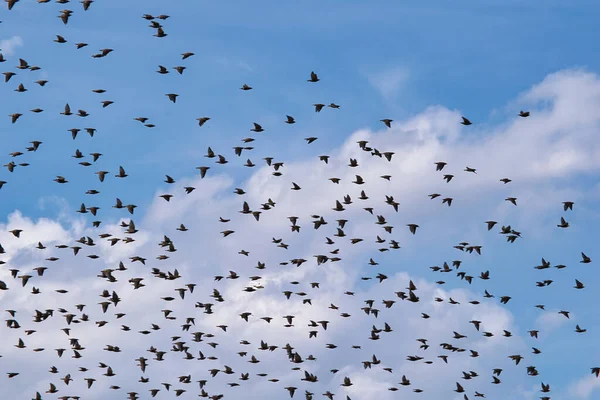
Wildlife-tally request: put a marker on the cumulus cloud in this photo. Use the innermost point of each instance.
(557, 142)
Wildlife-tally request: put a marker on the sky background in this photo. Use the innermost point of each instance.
(424, 66)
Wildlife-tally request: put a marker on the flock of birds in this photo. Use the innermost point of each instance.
(78, 314)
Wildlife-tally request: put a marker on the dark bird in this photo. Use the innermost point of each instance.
(313, 77)
(585, 259)
(412, 228)
(563, 223)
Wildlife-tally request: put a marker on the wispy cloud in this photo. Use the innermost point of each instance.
(550, 321)
(390, 81)
(8, 46)
(584, 387)
(232, 63)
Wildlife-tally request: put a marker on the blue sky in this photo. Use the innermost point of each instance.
(422, 65)
(463, 55)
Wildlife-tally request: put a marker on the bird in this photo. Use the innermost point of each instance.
(8, 75)
(563, 223)
(490, 225)
(168, 264)
(202, 120)
(121, 173)
(387, 122)
(318, 107)
(585, 259)
(439, 165)
(14, 117)
(160, 33)
(257, 128)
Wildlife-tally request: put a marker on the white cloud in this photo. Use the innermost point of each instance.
(233, 63)
(550, 321)
(390, 81)
(553, 143)
(584, 387)
(8, 46)
(43, 230)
